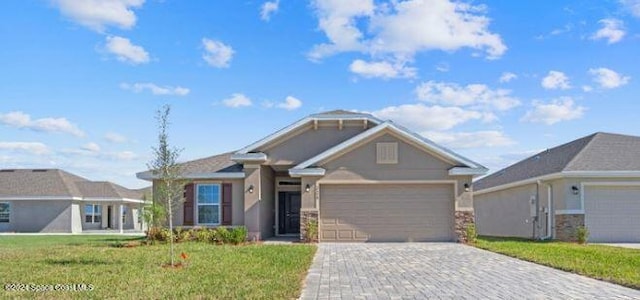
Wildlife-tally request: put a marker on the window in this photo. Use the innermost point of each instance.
(92, 213)
(5, 212)
(124, 215)
(208, 196)
(387, 153)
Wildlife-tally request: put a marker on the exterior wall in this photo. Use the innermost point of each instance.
(573, 202)
(252, 201)
(39, 216)
(309, 142)
(506, 212)
(267, 202)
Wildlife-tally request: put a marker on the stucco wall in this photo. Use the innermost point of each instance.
(506, 212)
(267, 202)
(39, 216)
(76, 217)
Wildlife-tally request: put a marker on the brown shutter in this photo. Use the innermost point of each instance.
(189, 195)
(226, 204)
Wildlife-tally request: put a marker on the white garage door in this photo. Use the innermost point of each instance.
(389, 212)
(612, 213)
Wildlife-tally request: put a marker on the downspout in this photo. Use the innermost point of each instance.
(549, 213)
(536, 217)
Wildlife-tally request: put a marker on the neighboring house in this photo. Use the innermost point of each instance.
(52, 200)
(593, 181)
(358, 177)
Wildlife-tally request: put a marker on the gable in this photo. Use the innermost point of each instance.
(309, 141)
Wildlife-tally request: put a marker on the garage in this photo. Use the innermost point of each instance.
(386, 212)
(612, 213)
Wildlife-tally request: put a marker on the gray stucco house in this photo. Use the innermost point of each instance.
(55, 201)
(593, 181)
(361, 178)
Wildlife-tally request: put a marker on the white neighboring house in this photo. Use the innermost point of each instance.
(55, 201)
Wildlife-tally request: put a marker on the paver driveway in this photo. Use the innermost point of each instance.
(442, 270)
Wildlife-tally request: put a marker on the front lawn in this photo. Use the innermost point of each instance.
(613, 264)
(253, 271)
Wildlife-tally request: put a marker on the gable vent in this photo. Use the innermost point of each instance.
(387, 153)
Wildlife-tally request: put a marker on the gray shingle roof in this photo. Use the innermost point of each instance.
(57, 183)
(597, 152)
(220, 163)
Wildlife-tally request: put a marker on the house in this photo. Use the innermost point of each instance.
(593, 181)
(358, 177)
(52, 200)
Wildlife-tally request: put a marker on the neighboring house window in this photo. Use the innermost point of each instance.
(124, 215)
(208, 196)
(387, 153)
(5, 212)
(93, 213)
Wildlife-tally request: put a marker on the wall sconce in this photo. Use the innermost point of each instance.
(466, 187)
(307, 188)
(575, 190)
(250, 189)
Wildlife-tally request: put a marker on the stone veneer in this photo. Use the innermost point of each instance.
(305, 217)
(463, 218)
(567, 226)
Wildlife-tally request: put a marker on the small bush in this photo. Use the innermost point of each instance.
(311, 231)
(582, 234)
(238, 235)
(204, 235)
(222, 235)
(181, 235)
(154, 234)
(471, 233)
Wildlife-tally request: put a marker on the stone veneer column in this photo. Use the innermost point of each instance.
(309, 209)
(567, 225)
(463, 218)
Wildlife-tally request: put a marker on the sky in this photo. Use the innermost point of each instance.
(496, 81)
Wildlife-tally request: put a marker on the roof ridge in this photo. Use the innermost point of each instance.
(70, 185)
(592, 138)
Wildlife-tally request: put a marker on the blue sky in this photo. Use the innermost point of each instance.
(493, 80)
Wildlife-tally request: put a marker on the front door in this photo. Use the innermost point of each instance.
(289, 212)
(109, 212)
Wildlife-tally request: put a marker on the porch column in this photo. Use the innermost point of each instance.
(119, 214)
(252, 203)
(309, 210)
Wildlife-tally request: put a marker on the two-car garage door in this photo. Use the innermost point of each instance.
(612, 213)
(386, 212)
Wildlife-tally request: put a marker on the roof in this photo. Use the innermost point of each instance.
(58, 183)
(388, 125)
(220, 163)
(596, 152)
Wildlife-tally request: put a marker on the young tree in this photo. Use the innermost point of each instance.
(168, 192)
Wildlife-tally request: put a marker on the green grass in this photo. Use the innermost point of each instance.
(252, 271)
(613, 264)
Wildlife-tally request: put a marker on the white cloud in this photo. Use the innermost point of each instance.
(268, 9)
(477, 139)
(155, 89)
(91, 147)
(561, 109)
(98, 14)
(475, 95)
(237, 100)
(608, 79)
(555, 80)
(217, 54)
(612, 30)
(633, 6)
(507, 77)
(290, 103)
(122, 155)
(381, 69)
(21, 120)
(116, 138)
(403, 28)
(125, 51)
(30, 147)
(587, 88)
(420, 117)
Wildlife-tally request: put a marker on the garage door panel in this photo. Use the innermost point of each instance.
(386, 212)
(612, 213)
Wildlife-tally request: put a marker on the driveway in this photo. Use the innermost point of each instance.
(442, 270)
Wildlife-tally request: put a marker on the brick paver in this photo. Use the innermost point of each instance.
(442, 271)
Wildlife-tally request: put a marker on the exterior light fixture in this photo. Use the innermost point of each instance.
(250, 189)
(575, 190)
(466, 187)
(307, 188)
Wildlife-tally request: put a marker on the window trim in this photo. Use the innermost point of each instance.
(388, 147)
(93, 213)
(198, 204)
(8, 212)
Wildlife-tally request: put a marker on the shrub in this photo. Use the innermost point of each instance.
(181, 235)
(238, 235)
(154, 233)
(222, 235)
(204, 235)
(471, 233)
(311, 231)
(582, 234)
